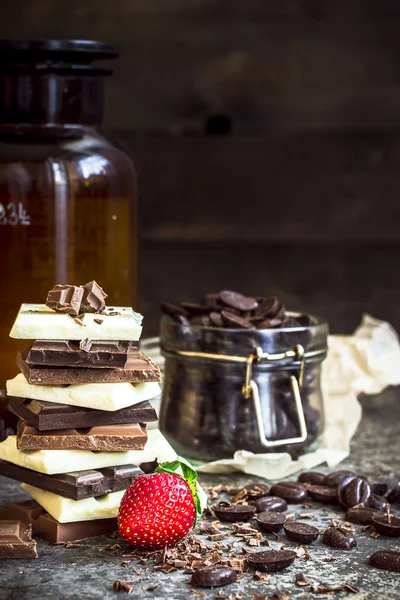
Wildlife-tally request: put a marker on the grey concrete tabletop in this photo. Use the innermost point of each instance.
(89, 569)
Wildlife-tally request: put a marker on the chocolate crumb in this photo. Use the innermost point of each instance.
(98, 321)
(259, 576)
(124, 587)
(329, 559)
(85, 345)
(375, 534)
(125, 564)
(280, 594)
(72, 545)
(306, 516)
(79, 321)
(196, 593)
(301, 580)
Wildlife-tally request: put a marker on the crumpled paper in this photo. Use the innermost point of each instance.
(365, 362)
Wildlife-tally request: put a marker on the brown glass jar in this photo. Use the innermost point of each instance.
(213, 378)
(68, 197)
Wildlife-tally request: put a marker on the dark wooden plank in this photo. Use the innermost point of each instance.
(317, 189)
(292, 65)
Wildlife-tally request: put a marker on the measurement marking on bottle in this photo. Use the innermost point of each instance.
(14, 213)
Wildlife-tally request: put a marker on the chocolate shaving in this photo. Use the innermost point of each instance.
(301, 580)
(280, 595)
(124, 587)
(85, 345)
(262, 577)
(80, 322)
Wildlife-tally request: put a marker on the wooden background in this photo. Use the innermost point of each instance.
(266, 137)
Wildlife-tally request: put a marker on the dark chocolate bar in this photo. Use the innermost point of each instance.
(47, 416)
(47, 528)
(79, 485)
(138, 369)
(67, 353)
(101, 438)
(16, 539)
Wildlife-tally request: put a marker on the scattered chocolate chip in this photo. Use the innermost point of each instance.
(353, 490)
(269, 503)
(389, 560)
(362, 515)
(270, 522)
(387, 525)
(271, 560)
(234, 512)
(301, 532)
(394, 494)
(377, 502)
(323, 493)
(333, 479)
(338, 537)
(213, 576)
(312, 477)
(291, 491)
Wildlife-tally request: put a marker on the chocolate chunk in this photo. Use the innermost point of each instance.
(271, 560)
(78, 485)
(269, 503)
(333, 479)
(388, 560)
(47, 416)
(394, 494)
(16, 540)
(312, 477)
(103, 438)
(93, 300)
(66, 353)
(301, 532)
(254, 491)
(362, 515)
(237, 301)
(47, 528)
(234, 512)
(377, 502)
(66, 299)
(234, 321)
(271, 522)
(291, 491)
(138, 369)
(323, 493)
(389, 526)
(213, 576)
(337, 537)
(353, 490)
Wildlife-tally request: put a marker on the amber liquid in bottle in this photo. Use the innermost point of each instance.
(68, 207)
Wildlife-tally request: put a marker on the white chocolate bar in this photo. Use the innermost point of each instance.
(38, 322)
(66, 510)
(53, 462)
(101, 396)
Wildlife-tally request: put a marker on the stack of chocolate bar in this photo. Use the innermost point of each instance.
(82, 398)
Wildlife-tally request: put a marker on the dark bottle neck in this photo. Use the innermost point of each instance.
(50, 104)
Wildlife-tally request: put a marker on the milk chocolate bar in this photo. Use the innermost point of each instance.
(138, 369)
(16, 539)
(38, 322)
(47, 416)
(78, 485)
(72, 353)
(47, 528)
(65, 298)
(103, 438)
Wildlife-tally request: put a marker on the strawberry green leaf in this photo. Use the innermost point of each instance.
(184, 469)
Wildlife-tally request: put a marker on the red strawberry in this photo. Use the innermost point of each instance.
(158, 510)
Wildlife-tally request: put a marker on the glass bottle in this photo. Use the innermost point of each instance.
(68, 197)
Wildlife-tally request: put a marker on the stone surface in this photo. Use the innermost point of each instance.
(86, 571)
